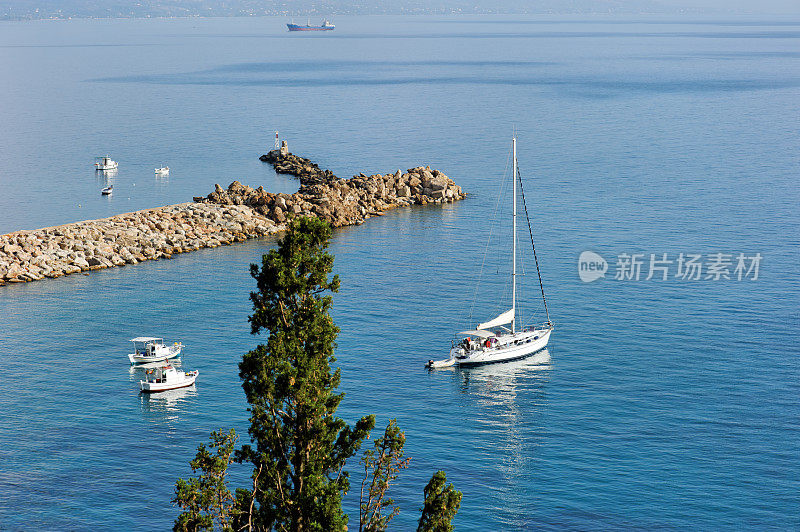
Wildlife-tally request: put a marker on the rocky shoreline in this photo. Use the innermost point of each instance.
(224, 216)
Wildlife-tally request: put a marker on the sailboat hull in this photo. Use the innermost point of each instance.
(519, 346)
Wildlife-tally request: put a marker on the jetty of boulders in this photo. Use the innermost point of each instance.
(224, 216)
(339, 201)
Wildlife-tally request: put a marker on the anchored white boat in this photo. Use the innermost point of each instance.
(164, 170)
(105, 163)
(151, 349)
(167, 378)
(492, 341)
(107, 191)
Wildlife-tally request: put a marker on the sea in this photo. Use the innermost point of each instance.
(659, 159)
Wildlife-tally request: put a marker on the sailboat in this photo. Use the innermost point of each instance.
(499, 339)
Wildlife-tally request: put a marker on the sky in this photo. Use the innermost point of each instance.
(736, 6)
(11, 8)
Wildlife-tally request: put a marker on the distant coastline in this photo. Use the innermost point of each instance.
(79, 9)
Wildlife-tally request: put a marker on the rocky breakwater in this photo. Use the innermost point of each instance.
(223, 217)
(339, 201)
(126, 239)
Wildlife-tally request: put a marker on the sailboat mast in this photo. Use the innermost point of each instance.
(514, 237)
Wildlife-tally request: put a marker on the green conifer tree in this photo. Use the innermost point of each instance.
(381, 466)
(299, 445)
(441, 505)
(206, 500)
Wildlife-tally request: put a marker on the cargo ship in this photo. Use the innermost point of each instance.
(326, 26)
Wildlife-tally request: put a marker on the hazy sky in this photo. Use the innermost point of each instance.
(734, 6)
(790, 8)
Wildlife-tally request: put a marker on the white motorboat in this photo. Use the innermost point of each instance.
(105, 163)
(107, 191)
(492, 341)
(164, 170)
(151, 349)
(167, 378)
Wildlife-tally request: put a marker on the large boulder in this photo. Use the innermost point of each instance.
(236, 188)
(429, 181)
(14, 270)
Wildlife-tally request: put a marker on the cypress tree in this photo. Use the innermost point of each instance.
(299, 446)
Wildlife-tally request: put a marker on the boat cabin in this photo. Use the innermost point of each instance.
(476, 340)
(482, 340)
(163, 375)
(147, 345)
(105, 163)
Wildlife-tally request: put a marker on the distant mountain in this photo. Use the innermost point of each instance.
(43, 9)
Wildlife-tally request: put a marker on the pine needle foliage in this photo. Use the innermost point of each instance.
(206, 501)
(381, 466)
(441, 505)
(299, 446)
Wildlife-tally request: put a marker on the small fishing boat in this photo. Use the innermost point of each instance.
(105, 163)
(164, 170)
(491, 341)
(107, 191)
(152, 349)
(167, 378)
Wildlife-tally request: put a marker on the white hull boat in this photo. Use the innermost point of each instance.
(167, 378)
(105, 163)
(107, 191)
(492, 341)
(507, 347)
(164, 170)
(149, 349)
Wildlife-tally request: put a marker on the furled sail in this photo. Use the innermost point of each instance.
(502, 319)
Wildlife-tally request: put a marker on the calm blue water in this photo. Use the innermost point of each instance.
(665, 404)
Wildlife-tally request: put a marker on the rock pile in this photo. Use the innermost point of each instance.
(339, 201)
(224, 216)
(126, 239)
(308, 172)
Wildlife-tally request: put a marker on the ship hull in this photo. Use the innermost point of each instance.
(529, 343)
(295, 27)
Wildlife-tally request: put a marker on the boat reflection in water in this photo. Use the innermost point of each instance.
(499, 381)
(167, 404)
(505, 430)
(107, 175)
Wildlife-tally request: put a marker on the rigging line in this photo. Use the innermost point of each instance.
(535, 258)
(488, 240)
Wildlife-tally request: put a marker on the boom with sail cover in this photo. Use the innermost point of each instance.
(502, 319)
